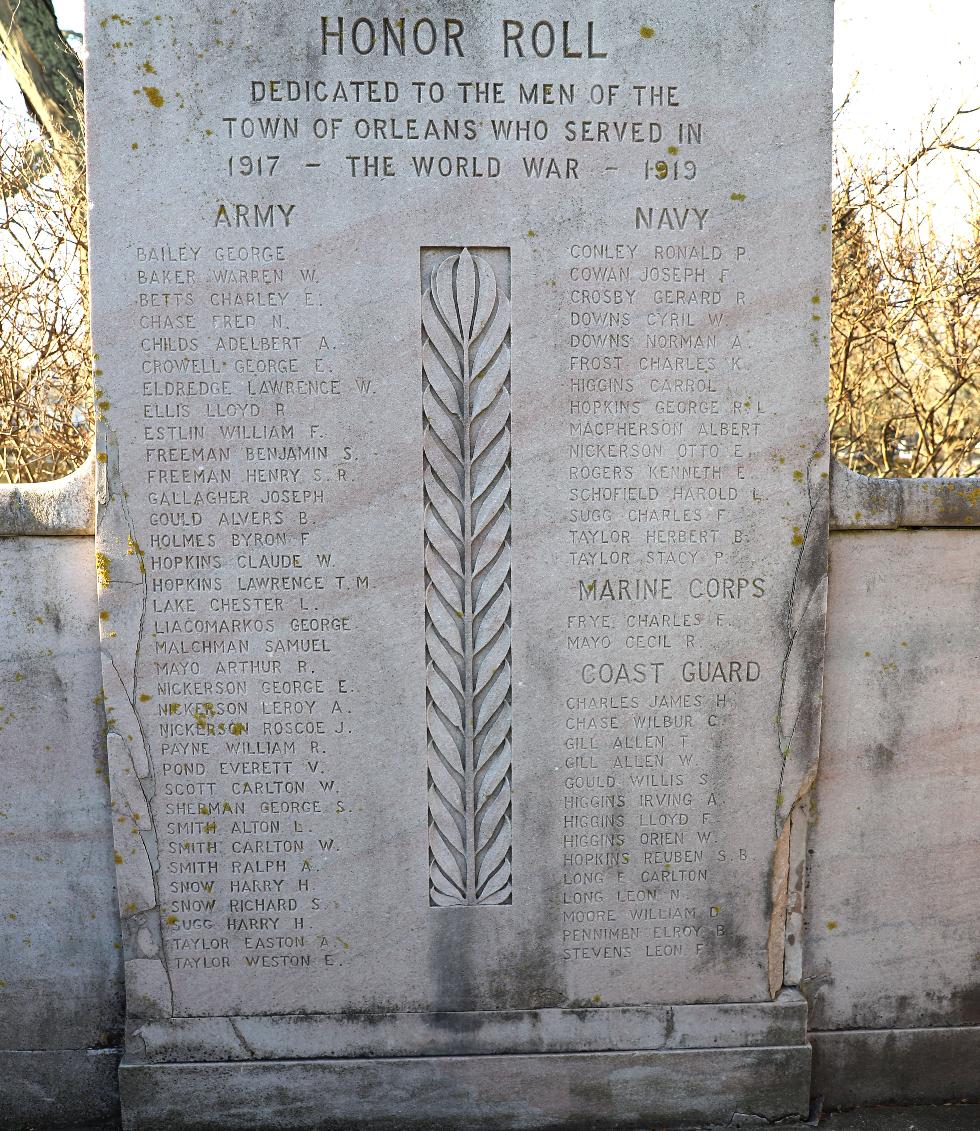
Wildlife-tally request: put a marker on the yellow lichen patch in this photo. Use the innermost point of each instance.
(156, 99)
(135, 145)
(831, 924)
(104, 614)
(647, 32)
(149, 68)
(738, 196)
(797, 539)
(202, 716)
(673, 150)
(145, 698)
(237, 728)
(102, 569)
(102, 457)
(170, 920)
(798, 476)
(531, 233)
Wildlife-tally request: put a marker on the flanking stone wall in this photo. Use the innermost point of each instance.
(61, 993)
(890, 953)
(893, 902)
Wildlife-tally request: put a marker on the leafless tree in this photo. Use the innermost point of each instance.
(905, 324)
(45, 362)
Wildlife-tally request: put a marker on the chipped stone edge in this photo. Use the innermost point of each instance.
(472, 1033)
(859, 502)
(61, 508)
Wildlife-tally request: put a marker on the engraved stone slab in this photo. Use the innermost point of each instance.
(463, 502)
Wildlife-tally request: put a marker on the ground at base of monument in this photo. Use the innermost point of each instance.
(934, 1117)
(941, 1117)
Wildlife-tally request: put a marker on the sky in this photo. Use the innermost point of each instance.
(896, 58)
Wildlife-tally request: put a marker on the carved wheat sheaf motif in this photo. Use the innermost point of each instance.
(467, 425)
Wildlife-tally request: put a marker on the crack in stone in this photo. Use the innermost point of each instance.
(241, 1039)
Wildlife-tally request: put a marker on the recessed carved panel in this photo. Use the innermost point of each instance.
(467, 458)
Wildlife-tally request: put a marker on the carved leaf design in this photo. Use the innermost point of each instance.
(445, 623)
(491, 581)
(492, 464)
(496, 770)
(494, 698)
(492, 505)
(438, 538)
(444, 823)
(492, 381)
(444, 741)
(494, 618)
(439, 420)
(491, 424)
(445, 584)
(466, 478)
(492, 339)
(492, 661)
(447, 663)
(492, 541)
(495, 735)
(442, 695)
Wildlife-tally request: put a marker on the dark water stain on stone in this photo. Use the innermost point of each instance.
(882, 757)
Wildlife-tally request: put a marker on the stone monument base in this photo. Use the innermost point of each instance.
(701, 1072)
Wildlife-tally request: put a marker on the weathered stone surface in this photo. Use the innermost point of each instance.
(55, 1089)
(859, 502)
(782, 1022)
(893, 900)
(944, 1116)
(463, 509)
(585, 1092)
(62, 507)
(60, 976)
(886, 1066)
